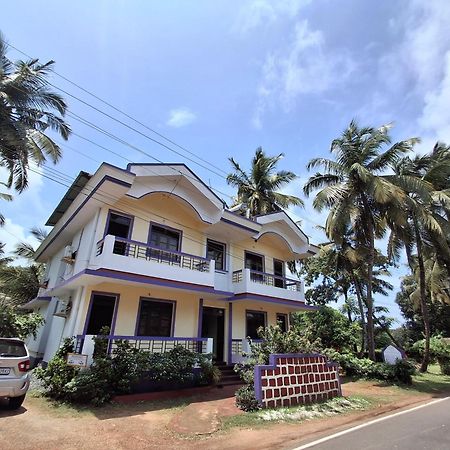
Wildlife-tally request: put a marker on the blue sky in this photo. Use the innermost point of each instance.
(222, 78)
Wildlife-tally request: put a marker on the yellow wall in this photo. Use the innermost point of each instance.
(186, 315)
(239, 308)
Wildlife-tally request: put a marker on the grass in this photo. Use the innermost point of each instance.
(431, 382)
(298, 414)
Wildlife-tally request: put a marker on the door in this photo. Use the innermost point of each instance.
(278, 271)
(213, 326)
(101, 313)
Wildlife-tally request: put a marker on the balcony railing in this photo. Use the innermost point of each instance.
(141, 250)
(150, 344)
(269, 279)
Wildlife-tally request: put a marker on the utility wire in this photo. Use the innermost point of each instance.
(129, 117)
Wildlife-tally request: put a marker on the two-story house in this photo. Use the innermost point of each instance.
(151, 252)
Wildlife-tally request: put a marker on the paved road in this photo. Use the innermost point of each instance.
(427, 428)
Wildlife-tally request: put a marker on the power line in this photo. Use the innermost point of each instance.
(129, 117)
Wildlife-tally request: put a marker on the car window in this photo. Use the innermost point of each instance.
(12, 349)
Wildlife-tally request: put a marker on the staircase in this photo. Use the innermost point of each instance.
(229, 376)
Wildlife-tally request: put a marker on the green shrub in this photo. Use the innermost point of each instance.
(57, 373)
(439, 351)
(245, 398)
(401, 371)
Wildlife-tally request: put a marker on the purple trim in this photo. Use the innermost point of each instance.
(151, 299)
(248, 252)
(171, 194)
(178, 164)
(93, 191)
(273, 365)
(107, 273)
(115, 167)
(143, 244)
(116, 307)
(279, 301)
(152, 338)
(253, 231)
(246, 325)
(224, 270)
(200, 318)
(44, 298)
(175, 230)
(230, 332)
(119, 213)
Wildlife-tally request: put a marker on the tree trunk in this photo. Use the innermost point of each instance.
(349, 315)
(370, 236)
(423, 299)
(359, 297)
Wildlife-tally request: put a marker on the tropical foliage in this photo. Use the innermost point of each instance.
(258, 191)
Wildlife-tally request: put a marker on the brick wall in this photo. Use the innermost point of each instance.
(293, 379)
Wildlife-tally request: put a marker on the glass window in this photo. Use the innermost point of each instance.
(10, 348)
(119, 226)
(282, 322)
(216, 251)
(278, 271)
(164, 238)
(254, 262)
(155, 318)
(254, 320)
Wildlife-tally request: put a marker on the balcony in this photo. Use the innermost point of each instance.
(139, 258)
(246, 281)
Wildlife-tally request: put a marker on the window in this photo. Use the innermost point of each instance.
(255, 263)
(119, 226)
(155, 318)
(164, 238)
(282, 322)
(278, 271)
(216, 251)
(254, 320)
(10, 348)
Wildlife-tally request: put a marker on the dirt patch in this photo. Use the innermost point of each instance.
(148, 425)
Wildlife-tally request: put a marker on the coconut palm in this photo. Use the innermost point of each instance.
(426, 229)
(258, 191)
(356, 190)
(29, 109)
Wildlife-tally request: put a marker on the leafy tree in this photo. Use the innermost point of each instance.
(355, 189)
(258, 190)
(17, 323)
(425, 229)
(328, 325)
(28, 110)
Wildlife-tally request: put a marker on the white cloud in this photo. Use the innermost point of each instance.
(304, 67)
(180, 117)
(264, 12)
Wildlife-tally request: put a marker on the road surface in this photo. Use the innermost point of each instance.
(422, 428)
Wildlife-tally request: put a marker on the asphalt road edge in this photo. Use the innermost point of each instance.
(371, 422)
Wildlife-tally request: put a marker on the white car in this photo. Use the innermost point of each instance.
(14, 371)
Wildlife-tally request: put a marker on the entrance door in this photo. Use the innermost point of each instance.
(101, 313)
(213, 326)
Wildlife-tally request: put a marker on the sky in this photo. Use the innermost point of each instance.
(225, 77)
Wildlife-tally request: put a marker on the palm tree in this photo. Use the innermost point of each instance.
(426, 229)
(258, 190)
(357, 192)
(28, 110)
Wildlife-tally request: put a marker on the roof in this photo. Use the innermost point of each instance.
(69, 197)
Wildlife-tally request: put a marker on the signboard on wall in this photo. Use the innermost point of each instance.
(76, 360)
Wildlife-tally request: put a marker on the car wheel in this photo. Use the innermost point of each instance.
(16, 402)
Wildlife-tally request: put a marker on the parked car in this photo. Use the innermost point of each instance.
(14, 371)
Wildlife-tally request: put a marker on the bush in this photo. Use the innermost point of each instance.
(110, 375)
(245, 398)
(57, 373)
(439, 351)
(401, 371)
